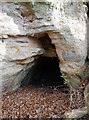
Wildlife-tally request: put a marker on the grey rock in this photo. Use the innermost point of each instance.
(65, 24)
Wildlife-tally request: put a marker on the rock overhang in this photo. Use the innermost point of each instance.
(66, 30)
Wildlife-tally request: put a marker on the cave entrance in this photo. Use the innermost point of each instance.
(45, 72)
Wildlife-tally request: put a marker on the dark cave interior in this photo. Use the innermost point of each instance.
(45, 72)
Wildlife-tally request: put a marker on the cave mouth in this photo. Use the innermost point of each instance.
(44, 73)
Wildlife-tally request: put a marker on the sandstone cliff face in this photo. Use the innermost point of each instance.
(22, 25)
(18, 51)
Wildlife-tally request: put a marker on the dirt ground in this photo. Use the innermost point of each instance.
(35, 102)
(39, 102)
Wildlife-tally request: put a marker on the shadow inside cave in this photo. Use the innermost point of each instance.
(44, 73)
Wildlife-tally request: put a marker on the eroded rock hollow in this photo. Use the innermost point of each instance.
(31, 30)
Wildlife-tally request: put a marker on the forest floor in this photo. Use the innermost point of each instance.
(40, 102)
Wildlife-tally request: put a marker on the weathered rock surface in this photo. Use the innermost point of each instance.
(22, 24)
(18, 58)
(17, 51)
